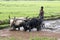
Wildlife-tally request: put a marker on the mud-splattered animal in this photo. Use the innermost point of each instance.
(17, 22)
(33, 23)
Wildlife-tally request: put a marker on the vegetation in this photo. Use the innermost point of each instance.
(7, 38)
(4, 26)
(43, 38)
(37, 38)
(29, 8)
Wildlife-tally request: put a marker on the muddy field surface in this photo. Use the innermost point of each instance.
(27, 35)
(47, 31)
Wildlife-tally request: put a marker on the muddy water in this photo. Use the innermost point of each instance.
(52, 26)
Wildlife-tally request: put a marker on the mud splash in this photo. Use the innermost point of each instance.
(52, 26)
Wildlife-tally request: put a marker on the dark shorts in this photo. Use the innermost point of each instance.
(42, 18)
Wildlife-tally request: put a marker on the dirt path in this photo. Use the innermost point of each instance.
(27, 35)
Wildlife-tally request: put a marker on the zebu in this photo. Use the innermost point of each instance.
(17, 22)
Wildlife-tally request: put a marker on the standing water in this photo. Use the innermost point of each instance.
(52, 26)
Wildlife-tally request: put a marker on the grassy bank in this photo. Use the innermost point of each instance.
(4, 26)
(7, 38)
(29, 8)
(43, 38)
(37, 38)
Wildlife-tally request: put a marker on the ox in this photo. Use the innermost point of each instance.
(33, 23)
(17, 22)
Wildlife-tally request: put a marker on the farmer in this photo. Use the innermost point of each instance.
(41, 14)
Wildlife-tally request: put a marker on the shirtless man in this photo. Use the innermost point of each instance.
(41, 14)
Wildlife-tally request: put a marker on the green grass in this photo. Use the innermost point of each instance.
(4, 26)
(7, 38)
(43, 38)
(37, 38)
(29, 8)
